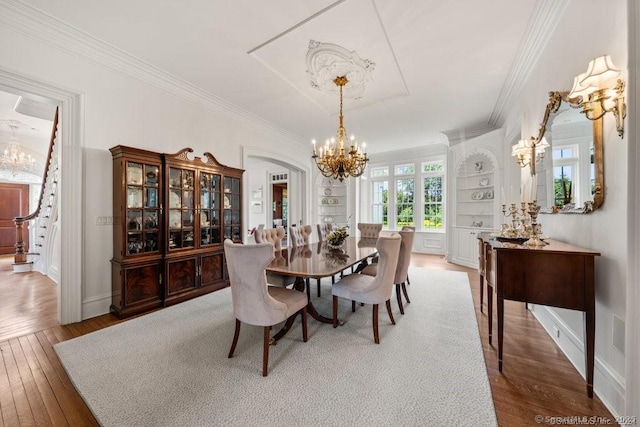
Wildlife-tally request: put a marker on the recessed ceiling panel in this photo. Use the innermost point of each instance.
(355, 26)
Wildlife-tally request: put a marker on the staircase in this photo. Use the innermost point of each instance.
(44, 220)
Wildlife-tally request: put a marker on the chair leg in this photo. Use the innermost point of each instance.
(404, 291)
(318, 287)
(399, 298)
(308, 286)
(235, 339)
(408, 282)
(265, 351)
(303, 314)
(393, 321)
(376, 336)
(335, 311)
(353, 306)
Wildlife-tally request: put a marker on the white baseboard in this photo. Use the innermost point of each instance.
(54, 274)
(96, 306)
(607, 384)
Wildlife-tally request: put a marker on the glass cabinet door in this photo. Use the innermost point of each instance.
(232, 214)
(142, 207)
(181, 207)
(209, 209)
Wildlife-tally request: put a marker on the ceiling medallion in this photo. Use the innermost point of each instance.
(325, 61)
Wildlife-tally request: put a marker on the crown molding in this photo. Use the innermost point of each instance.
(35, 24)
(545, 18)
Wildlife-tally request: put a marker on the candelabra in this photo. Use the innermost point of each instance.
(536, 229)
(524, 224)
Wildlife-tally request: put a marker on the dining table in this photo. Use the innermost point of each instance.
(318, 260)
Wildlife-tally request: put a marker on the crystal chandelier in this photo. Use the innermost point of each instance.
(15, 160)
(334, 161)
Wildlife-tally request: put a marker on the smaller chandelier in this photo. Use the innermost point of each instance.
(334, 161)
(15, 160)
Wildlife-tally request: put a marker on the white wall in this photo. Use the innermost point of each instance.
(124, 103)
(589, 28)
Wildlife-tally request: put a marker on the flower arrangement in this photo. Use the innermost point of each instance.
(337, 236)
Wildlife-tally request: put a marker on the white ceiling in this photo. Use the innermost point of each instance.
(439, 65)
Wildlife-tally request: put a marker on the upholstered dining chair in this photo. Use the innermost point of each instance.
(409, 227)
(402, 267)
(256, 303)
(274, 236)
(299, 236)
(369, 230)
(373, 290)
(324, 230)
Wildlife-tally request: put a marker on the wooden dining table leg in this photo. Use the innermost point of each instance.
(301, 285)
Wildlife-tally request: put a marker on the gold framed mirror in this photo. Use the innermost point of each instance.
(572, 170)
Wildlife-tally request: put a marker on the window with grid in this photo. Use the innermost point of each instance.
(380, 202)
(433, 179)
(565, 171)
(404, 201)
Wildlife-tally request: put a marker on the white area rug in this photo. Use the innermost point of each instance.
(170, 368)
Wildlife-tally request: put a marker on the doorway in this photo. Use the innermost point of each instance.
(280, 205)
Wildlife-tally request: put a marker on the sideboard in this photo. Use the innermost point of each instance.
(558, 275)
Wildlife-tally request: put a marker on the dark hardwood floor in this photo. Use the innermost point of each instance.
(537, 379)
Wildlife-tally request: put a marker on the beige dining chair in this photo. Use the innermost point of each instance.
(256, 303)
(274, 236)
(299, 236)
(402, 267)
(369, 230)
(409, 227)
(373, 290)
(324, 230)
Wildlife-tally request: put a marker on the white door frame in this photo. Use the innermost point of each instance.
(71, 137)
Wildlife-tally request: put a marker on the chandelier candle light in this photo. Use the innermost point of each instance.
(334, 161)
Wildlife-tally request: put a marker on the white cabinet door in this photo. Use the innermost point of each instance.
(465, 247)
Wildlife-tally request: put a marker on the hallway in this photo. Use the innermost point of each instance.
(29, 301)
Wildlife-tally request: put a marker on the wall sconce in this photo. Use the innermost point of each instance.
(528, 152)
(597, 98)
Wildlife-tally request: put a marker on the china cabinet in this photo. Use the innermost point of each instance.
(204, 209)
(332, 201)
(175, 213)
(136, 267)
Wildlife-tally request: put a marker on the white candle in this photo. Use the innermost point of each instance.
(504, 201)
(313, 141)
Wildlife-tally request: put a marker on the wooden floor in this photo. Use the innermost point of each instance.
(537, 379)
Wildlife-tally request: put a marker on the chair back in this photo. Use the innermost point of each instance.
(369, 230)
(324, 230)
(299, 236)
(252, 303)
(404, 256)
(270, 235)
(381, 288)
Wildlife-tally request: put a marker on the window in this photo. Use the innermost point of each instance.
(379, 172)
(565, 171)
(380, 202)
(433, 179)
(409, 194)
(404, 202)
(409, 169)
